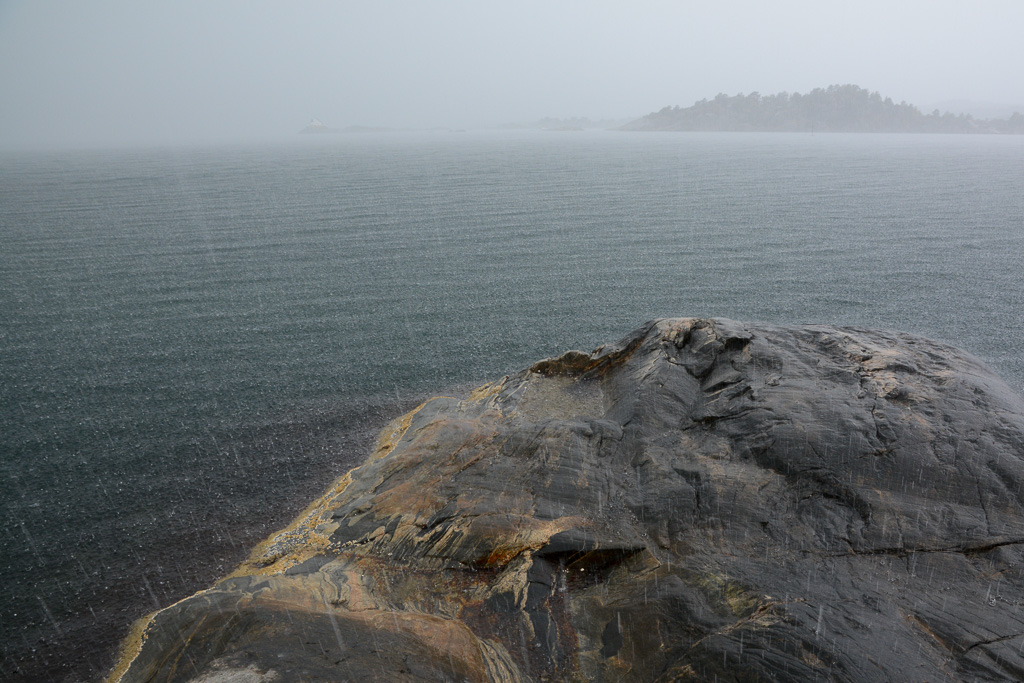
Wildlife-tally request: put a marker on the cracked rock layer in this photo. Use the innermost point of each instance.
(702, 499)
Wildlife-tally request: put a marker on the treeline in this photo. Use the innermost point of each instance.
(835, 109)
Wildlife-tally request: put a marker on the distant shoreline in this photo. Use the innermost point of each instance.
(836, 109)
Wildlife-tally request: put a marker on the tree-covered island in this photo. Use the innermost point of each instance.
(835, 109)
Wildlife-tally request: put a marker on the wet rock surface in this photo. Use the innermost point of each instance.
(703, 500)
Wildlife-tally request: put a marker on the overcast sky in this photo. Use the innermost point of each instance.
(128, 71)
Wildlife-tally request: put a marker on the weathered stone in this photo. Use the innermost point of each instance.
(704, 500)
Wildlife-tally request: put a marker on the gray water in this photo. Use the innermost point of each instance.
(193, 342)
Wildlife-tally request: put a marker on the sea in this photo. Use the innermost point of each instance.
(195, 341)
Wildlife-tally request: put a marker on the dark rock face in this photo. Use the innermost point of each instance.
(704, 500)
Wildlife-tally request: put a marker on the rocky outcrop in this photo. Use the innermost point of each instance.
(704, 500)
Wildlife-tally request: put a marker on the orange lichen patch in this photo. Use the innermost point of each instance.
(283, 551)
(130, 647)
(393, 433)
(486, 391)
(424, 492)
(502, 555)
(514, 535)
(414, 498)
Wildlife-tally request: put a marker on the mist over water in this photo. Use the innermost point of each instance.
(194, 342)
(120, 72)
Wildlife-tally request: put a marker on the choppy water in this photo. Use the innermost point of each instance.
(194, 342)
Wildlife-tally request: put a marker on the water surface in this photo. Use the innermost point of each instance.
(193, 342)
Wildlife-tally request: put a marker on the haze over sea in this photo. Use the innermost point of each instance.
(195, 342)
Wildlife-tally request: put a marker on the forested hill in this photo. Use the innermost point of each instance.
(836, 109)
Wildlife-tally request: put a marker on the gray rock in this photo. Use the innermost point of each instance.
(704, 500)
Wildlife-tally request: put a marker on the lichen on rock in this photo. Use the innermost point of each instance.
(703, 499)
